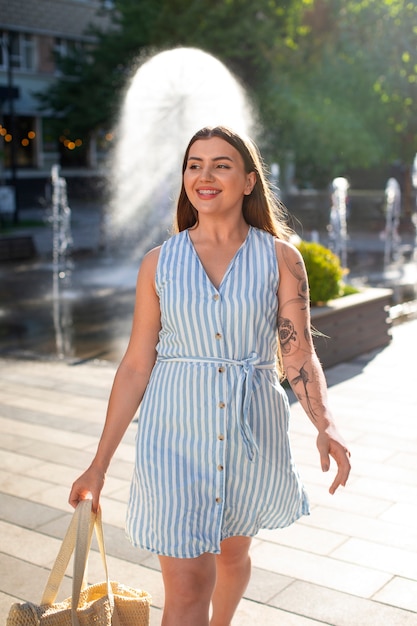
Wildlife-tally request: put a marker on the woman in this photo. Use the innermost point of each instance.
(213, 462)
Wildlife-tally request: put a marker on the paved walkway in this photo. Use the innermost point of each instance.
(353, 562)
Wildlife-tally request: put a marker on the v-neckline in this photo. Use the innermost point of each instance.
(229, 266)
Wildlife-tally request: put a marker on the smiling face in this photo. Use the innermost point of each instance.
(215, 179)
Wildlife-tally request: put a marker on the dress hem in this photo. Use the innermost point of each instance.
(299, 515)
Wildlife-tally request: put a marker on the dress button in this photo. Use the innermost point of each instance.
(221, 370)
(216, 297)
(220, 437)
(221, 405)
(218, 500)
(218, 336)
(220, 468)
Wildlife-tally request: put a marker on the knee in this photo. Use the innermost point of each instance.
(235, 554)
(189, 587)
(187, 601)
(235, 563)
(191, 590)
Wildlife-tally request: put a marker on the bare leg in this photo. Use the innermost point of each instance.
(189, 585)
(233, 573)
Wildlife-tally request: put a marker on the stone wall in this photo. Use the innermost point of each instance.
(352, 326)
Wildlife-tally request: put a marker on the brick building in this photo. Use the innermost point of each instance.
(30, 32)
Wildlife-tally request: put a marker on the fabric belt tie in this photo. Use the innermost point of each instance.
(244, 390)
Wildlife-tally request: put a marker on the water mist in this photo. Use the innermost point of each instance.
(170, 97)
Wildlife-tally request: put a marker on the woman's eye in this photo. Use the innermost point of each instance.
(223, 166)
(194, 166)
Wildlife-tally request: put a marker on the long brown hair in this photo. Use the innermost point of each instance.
(260, 209)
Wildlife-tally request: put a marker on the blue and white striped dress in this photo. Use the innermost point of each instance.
(212, 454)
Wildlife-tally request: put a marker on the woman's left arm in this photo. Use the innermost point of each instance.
(300, 362)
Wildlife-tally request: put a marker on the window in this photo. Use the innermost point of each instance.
(3, 52)
(20, 47)
(66, 48)
(27, 52)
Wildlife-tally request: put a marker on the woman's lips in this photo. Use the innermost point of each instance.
(208, 193)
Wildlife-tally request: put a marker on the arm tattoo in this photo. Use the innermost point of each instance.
(303, 378)
(286, 333)
(298, 272)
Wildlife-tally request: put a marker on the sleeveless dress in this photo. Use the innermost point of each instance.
(213, 458)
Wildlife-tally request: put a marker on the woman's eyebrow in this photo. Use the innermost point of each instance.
(218, 158)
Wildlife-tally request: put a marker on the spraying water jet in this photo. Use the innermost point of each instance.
(170, 97)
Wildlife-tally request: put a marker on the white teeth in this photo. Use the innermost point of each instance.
(208, 192)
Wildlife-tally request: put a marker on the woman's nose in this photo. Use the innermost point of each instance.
(206, 173)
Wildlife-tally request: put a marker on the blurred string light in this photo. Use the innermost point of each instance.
(70, 144)
(8, 137)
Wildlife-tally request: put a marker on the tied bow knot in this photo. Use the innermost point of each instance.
(248, 366)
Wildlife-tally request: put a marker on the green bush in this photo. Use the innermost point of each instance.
(325, 274)
(348, 290)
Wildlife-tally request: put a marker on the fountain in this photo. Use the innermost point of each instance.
(337, 227)
(392, 221)
(170, 97)
(399, 265)
(414, 211)
(61, 262)
(86, 312)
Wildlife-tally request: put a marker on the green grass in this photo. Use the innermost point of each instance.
(10, 228)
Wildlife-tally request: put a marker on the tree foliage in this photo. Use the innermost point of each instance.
(334, 80)
(86, 96)
(347, 96)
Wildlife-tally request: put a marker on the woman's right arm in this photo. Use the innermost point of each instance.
(129, 384)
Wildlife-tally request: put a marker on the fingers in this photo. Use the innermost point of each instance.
(324, 461)
(88, 486)
(77, 495)
(76, 499)
(331, 448)
(343, 470)
(340, 480)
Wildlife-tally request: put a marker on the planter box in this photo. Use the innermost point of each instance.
(353, 325)
(16, 248)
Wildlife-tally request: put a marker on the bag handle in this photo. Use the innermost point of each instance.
(67, 548)
(78, 540)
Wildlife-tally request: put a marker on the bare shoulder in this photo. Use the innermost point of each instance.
(147, 270)
(288, 255)
(151, 257)
(150, 261)
(293, 284)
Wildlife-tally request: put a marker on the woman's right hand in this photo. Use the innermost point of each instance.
(87, 487)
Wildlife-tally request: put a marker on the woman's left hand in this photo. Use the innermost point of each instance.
(331, 444)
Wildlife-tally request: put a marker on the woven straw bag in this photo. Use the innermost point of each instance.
(104, 604)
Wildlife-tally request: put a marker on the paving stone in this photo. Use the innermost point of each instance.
(26, 581)
(319, 570)
(340, 609)
(264, 585)
(26, 514)
(350, 563)
(305, 537)
(400, 592)
(374, 555)
(362, 527)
